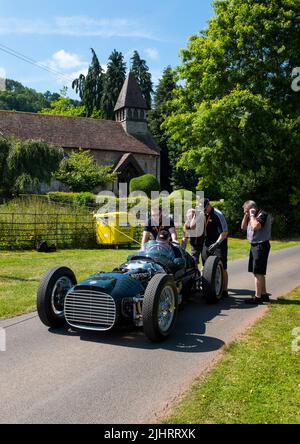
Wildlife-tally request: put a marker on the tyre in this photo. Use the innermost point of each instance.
(213, 280)
(51, 295)
(160, 307)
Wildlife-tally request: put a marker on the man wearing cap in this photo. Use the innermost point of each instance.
(216, 238)
(258, 225)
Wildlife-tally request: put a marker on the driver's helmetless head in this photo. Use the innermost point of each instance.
(164, 236)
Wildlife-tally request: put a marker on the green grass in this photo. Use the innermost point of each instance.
(20, 272)
(258, 379)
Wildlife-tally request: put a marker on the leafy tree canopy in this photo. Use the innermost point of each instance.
(142, 74)
(114, 80)
(81, 173)
(17, 97)
(236, 117)
(90, 87)
(26, 164)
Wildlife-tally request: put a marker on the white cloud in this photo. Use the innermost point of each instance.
(63, 60)
(152, 53)
(75, 26)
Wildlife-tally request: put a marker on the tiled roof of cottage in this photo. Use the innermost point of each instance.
(74, 132)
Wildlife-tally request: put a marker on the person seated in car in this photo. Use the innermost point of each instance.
(155, 225)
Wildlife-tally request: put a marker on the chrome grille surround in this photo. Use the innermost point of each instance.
(90, 310)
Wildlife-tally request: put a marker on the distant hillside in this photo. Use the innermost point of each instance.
(17, 97)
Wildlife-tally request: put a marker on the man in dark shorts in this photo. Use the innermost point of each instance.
(155, 225)
(216, 238)
(258, 225)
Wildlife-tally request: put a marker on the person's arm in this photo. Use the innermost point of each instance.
(173, 233)
(245, 222)
(193, 224)
(222, 237)
(223, 230)
(145, 239)
(257, 221)
(184, 237)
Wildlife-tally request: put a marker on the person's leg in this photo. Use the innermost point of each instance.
(264, 286)
(259, 285)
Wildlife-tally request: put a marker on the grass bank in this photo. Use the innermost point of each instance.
(257, 380)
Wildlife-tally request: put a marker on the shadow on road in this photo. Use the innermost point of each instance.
(188, 336)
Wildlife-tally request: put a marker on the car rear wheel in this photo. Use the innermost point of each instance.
(51, 295)
(160, 307)
(213, 280)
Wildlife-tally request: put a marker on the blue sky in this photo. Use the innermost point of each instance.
(59, 34)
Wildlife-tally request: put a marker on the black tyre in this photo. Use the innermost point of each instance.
(51, 295)
(213, 280)
(160, 307)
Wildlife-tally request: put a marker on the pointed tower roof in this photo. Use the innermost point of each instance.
(131, 95)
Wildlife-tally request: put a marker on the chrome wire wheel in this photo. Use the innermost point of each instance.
(166, 309)
(60, 290)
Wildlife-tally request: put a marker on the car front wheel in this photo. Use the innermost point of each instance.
(51, 295)
(160, 307)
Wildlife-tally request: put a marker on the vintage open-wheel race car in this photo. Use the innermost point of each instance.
(146, 291)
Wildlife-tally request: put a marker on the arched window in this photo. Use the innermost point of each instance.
(135, 114)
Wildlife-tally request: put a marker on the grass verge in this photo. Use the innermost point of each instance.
(258, 379)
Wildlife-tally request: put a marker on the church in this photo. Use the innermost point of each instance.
(125, 143)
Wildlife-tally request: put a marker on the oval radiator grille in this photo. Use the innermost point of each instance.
(90, 310)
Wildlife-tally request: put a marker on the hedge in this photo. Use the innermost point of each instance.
(147, 184)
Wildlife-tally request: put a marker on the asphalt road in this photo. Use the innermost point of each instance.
(120, 378)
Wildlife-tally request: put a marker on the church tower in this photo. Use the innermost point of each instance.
(131, 108)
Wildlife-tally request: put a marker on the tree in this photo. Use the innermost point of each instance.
(64, 106)
(17, 97)
(90, 87)
(164, 93)
(143, 76)
(26, 164)
(81, 173)
(114, 80)
(235, 116)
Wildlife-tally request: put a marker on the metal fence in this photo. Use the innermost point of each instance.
(25, 231)
(20, 231)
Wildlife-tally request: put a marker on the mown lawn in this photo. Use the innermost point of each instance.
(258, 379)
(20, 272)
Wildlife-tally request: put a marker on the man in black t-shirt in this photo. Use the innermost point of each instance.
(155, 225)
(216, 238)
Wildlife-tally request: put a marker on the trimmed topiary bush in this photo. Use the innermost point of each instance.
(180, 194)
(146, 184)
